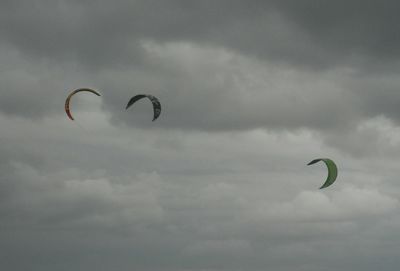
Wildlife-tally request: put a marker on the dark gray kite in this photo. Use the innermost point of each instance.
(156, 103)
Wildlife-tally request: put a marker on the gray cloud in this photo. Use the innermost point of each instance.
(104, 34)
(241, 79)
(251, 92)
(183, 201)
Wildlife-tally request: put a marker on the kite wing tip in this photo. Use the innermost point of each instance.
(324, 186)
(313, 161)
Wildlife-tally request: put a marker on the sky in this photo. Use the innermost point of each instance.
(251, 91)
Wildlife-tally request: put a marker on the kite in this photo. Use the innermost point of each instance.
(67, 110)
(156, 103)
(332, 171)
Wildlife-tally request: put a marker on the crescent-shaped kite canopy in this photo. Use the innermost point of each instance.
(156, 103)
(332, 171)
(67, 101)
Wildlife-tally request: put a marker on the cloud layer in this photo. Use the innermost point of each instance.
(250, 93)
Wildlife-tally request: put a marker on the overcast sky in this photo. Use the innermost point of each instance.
(251, 91)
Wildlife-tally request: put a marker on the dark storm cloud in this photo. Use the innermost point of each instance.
(347, 28)
(49, 48)
(100, 33)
